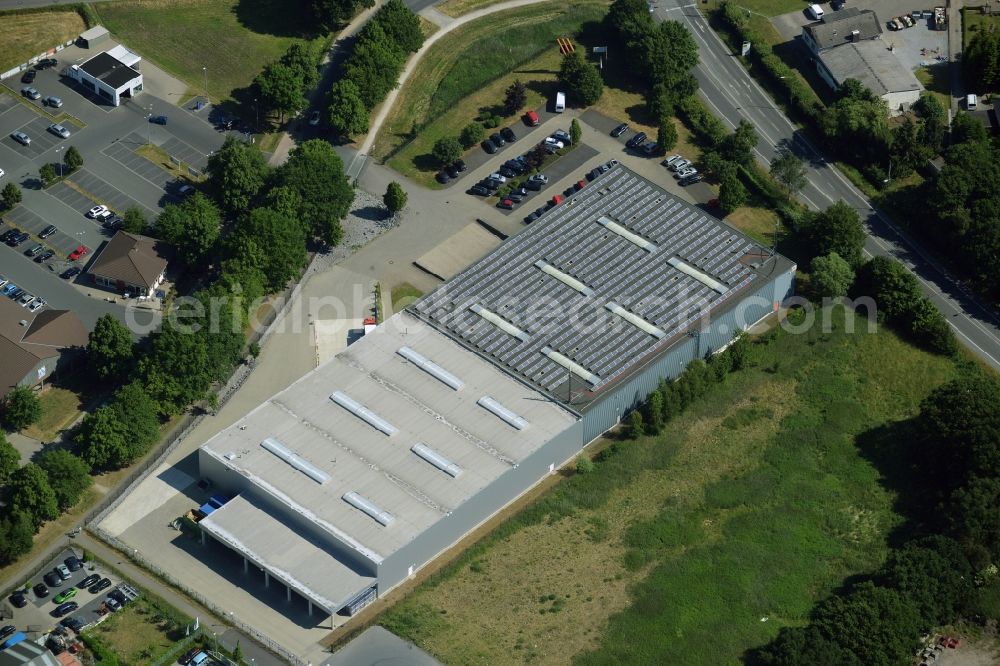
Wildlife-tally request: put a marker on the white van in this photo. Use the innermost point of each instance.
(815, 12)
(560, 102)
(971, 102)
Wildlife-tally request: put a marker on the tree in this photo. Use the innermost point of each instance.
(68, 475)
(515, 97)
(738, 146)
(666, 133)
(11, 195)
(281, 89)
(930, 329)
(73, 159)
(973, 518)
(665, 54)
(804, 646)
(894, 288)
(136, 411)
(17, 531)
(581, 79)
(331, 14)
(394, 198)
(934, 122)
(314, 171)
(400, 25)
(30, 492)
(446, 150)
(237, 172)
(10, 459)
(193, 227)
(654, 412)
(584, 465)
(837, 229)
(789, 170)
(303, 59)
(375, 64)
(47, 173)
(575, 131)
(238, 653)
(875, 623)
(831, 276)
(134, 221)
(981, 60)
(284, 239)
(472, 134)
(732, 193)
(102, 439)
(636, 428)
(110, 348)
(934, 576)
(345, 109)
(21, 408)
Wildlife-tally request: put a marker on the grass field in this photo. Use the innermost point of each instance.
(753, 504)
(60, 408)
(223, 36)
(28, 35)
(137, 632)
(468, 70)
(758, 223)
(973, 21)
(935, 79)
(456, 8)
(403, 294)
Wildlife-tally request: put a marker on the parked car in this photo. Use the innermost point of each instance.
(531, 119)
(28, 76)
(314, 118)
(649, 147)
(679, 164)
(40, 590)
(667, 162)
(442, 177)
(688, 180)
(189, 655)
(158, 120)
(508, 135)
(549, 141)
(516, 198)
(52, 579)
(618, 131)
(19, 599)
(185, 190)
(66, 608)
(489, 146)
(498, 177)
(507, 204)
(65, 595)
(636, 140)
(32, 251)
(562, 135)
(24, 300)
(531, 217)
(908, 20)
(59, 130)
(44, 256)
(8, 289)
(21, 138)
(70, 273)
(460, 165)
(112, 604)
(507, 172)
(497, 139)
(37, 304)
(3, 280)
(30, 93)
(479, 190)
(52, 101)
(88, 581)
(6, 631)
(104, 217)
(451, 171)
(73, 563)
(48, 231)
(100, 585)
(63, 571)
(96, 210)
(18, 238)
(77, 253)
(894, 24)
(45, 63)
(686, 171)
(73, 623)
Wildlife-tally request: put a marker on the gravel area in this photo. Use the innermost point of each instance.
(367, 219)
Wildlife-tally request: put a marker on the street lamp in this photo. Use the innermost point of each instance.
(256, 115)
(59, 160)
(205, 71)
(149, 121)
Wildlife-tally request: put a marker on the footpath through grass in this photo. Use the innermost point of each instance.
(467, 71)
(753, 504)
(231, 40)
(30, 34)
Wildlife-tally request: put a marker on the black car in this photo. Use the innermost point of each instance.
(497, 139)
(88, 581)
(479, 190)
(442, 177)
(73, 563)
(16, 238)
(460, 165)
(594, 173)
(508, 134)
(158, 120)
(451, 171)
(48, 231)
(70, 273)
(7, 631)
(72, 622)
(507, 172)
(53, 579)
(28, 76)
(618, 131)
(45, 63)
(19, 599)
(102, 585)
(531, 217)
(489, 146)
(44, 256)
(636, 140)
(40, 591)
(63, 609)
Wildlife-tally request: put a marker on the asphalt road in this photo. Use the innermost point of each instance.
(732, 94)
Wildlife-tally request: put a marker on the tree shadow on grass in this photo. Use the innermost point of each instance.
(425, 162)
(274, 18)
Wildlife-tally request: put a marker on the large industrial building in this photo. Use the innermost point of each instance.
(363, 471)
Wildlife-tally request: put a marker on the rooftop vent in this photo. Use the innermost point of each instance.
(635, 239)
(500, 322)
(499, 410)
(565, 278)
(436, 459)
(698, 275)
(636, 321)
(380, 515)
(280, 450)
(363, 413)
(571, 365)
(431, 368)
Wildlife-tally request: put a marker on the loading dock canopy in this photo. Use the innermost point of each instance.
(287, 555)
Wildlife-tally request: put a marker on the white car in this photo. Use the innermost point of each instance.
(680, 164)
(1, 173)
(59, 131)
(96, 210)
(686, 171)
(670, 160)
(25, 299)
(555, 143)
(498, 177)
(36, 305)
(3, 280)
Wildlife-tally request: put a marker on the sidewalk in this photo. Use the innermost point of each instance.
(227, 636)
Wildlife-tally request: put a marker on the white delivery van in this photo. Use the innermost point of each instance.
(815, 12)
(560, 102)
(971, 102)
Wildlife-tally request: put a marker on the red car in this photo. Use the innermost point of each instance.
(531, 118)
(77, 253)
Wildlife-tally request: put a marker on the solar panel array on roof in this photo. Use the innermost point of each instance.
(614, 274)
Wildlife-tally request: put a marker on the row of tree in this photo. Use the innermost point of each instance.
(283, 85)
(953, 448)
(373, 67)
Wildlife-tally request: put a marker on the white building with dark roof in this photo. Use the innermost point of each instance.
(362, 472)
(112, 75)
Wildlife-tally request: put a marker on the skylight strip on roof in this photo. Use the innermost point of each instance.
(430, 367)
(698, 275)
(636, 320)
(571, 365)
(436, 459)
(362, 503)
(635, 239)
(363, 413)
(307, 468)
(507, 415)
(500, 322)
(565, 278)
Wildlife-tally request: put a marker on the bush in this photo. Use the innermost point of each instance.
(584, 465)
(21, 408)
(707, 128)
(472, 134)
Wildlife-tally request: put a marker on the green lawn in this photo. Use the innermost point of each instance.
(468, 70)
(973, 21)
(700, 543)
(766, 7)
(232, 41)
(30, 34)
(139, 632)
(403, 295)
(59, 409)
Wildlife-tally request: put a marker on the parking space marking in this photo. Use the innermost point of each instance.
(185, 153)
(71, 197)
(111, 195)
(24, 219)
(138, 164)
(7, 103)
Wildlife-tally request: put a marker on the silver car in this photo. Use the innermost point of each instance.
(36, 304)
(30, 93)
(59, 130)
(23, 300)
(21, 138)
(52, 101)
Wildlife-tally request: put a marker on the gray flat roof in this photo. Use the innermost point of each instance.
(837, 28)
(611, 277)
(871, 63)
(301, 563)
(320, 450)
